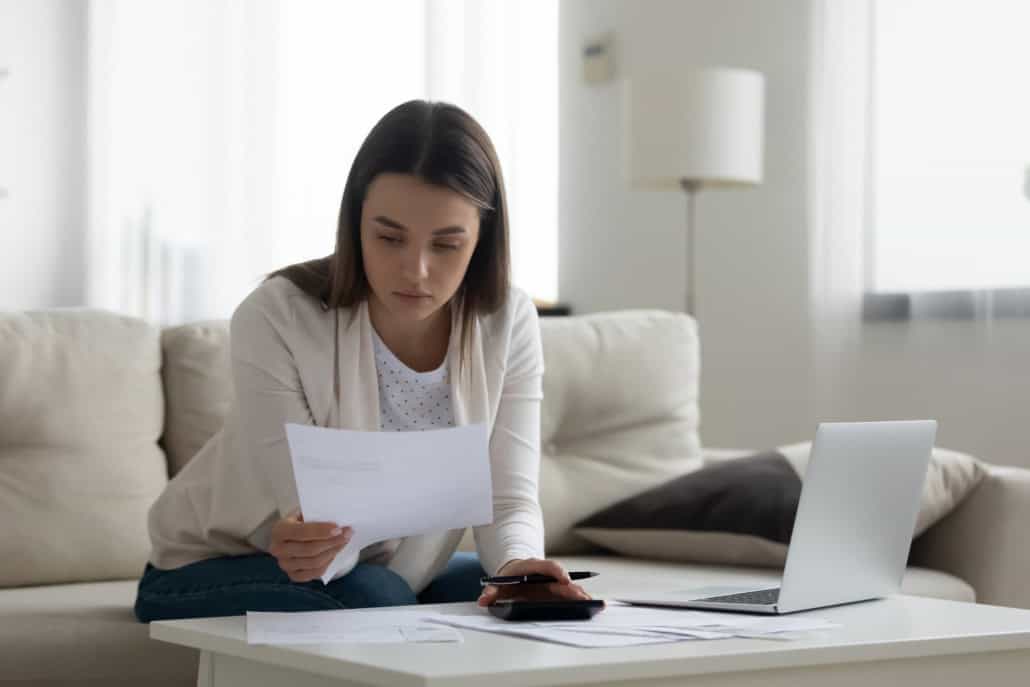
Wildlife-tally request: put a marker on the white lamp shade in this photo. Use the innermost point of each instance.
(703, 125)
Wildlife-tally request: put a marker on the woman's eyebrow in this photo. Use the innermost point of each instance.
(454, 229)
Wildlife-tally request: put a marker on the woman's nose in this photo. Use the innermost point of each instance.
(415, 264)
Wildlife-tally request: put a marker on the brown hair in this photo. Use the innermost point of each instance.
(442, 145)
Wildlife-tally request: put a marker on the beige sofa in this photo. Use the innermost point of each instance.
(97, 410)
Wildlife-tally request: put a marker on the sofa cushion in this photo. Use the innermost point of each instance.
(85, 634)
(624, 576)
(81, 411)
(198, 387)
(619, 413)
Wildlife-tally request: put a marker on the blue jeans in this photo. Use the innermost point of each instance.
(233, 585)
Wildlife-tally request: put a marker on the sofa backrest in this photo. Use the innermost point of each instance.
(620, 413)
(198, 387)
(81, 412)
(620, 409)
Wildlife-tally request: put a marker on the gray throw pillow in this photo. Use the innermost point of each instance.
(740, 511)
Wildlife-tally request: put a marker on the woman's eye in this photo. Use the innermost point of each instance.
(393, 240)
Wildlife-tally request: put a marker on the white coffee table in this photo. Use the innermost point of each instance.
(904, 640)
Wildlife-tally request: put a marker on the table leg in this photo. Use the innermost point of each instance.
(222, 670)
(204, 678)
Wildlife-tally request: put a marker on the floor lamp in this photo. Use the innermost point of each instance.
(694, 129)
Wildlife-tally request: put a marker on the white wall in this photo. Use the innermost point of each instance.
(42, 150)
(625, 249)
(618, 249)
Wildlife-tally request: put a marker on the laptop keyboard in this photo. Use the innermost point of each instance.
(762, 596)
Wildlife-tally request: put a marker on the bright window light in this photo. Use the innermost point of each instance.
(951, 146)
(222, 133)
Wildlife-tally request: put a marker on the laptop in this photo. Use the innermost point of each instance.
(853, 530)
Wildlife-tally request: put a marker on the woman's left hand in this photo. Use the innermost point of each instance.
(551, 591)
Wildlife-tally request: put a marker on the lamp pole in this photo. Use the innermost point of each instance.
(691, 187)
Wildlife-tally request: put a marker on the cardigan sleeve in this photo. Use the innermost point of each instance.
(517, 530)
(268, 395)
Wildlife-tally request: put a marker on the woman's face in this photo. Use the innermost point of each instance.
(417, 241)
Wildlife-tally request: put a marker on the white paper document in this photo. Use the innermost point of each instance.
(618, 615)
(623, 625)
(616, 626)
(361, 625)
(559, 635)
(386, 485)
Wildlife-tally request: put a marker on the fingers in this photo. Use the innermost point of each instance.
(545, 592)
(552, 568)
(314, 531)
(572, 591)
(554, 591)
(286, 532)
(307, 551)
(488, 595)
(539, 566)
(562, 589)
(312, 548)
(304, 549)
(307, 569)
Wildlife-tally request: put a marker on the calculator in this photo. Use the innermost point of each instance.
(572, 609)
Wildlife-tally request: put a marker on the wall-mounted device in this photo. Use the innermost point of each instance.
(599, 59)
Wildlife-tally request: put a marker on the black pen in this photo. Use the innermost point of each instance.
(532, 578)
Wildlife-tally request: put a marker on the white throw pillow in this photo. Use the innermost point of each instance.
(950, 477)
(619, 415)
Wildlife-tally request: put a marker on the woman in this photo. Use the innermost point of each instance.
(413, 306)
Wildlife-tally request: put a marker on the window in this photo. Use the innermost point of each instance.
(221, 133)
(950, 146)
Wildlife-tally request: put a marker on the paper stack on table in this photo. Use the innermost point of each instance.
(618, 625)
(358, 625)
(625, 625)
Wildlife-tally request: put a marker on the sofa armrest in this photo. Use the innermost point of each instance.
(984, 540)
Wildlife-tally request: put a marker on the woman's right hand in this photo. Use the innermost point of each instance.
(305, 549)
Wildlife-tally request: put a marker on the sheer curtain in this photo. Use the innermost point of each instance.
(950, 150)
(888, 204)
(221, 132)
(499, 60)
(840, 89)
(952, 145)
(182, 170)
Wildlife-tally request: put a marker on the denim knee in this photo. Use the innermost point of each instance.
(459, 581)
(369, 585)
(225, 586)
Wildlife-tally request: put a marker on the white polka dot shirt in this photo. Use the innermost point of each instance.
(411, 401)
